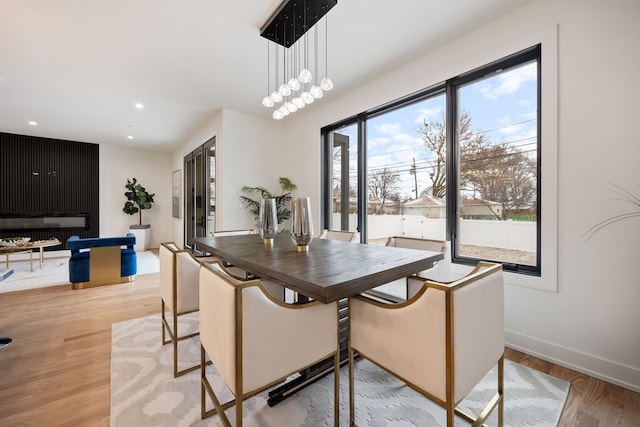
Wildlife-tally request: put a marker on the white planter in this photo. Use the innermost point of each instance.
(142, 233)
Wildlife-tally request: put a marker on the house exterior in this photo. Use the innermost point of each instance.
(481, 208)
(427, 206)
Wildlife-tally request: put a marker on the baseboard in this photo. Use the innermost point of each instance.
(606, 370)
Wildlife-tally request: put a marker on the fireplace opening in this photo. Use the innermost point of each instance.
(43, 222)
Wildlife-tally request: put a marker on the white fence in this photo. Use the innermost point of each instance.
(518, 235)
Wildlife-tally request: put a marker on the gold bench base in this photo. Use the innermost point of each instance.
(84, 285)
(104, 268)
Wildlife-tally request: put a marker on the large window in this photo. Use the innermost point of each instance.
(458, 161)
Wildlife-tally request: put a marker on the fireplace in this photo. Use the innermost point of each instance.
(44, 226)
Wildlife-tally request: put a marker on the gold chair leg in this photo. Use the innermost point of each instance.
(174, 338)
(336, 387)
(206, 390)
(352, 411)
(501, 391)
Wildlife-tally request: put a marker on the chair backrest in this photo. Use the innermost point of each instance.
(343, 236)
(262, 334)
(432, 343)
(478, 325)
(417, 243)
(178, 278)
(423, 245)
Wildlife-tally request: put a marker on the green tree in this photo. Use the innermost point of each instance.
(138, 198)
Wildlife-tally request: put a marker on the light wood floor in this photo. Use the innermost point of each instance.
(57, 370)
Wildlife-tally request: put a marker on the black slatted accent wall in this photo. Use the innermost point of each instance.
(48, 177)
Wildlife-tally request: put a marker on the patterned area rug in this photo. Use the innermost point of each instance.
(144, 392)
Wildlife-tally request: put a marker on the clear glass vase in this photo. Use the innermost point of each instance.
(301, 223)
(268, 220)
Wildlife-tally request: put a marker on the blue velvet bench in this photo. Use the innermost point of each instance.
(101, 261)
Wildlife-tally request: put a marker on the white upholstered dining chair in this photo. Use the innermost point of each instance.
(274, 288)
(441, 342)
(256, 341)
(179, 271)
(343, 236)
(401, 289)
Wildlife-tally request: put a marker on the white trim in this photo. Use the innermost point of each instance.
(548, 38)
(606, 370)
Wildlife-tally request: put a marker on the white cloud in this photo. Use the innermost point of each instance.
(509, 82)
(428, 113)
(389, 128)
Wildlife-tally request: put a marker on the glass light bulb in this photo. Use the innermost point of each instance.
(307, 98)
(276, 96)
(290, 107)
(326, 84)
(284, 111)
(284, 90)
(316, 92)
(294, 83)
(277, 114)
(267, 101)
(305, 76)
(298, 102)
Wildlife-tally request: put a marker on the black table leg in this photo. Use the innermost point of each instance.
(4, 341)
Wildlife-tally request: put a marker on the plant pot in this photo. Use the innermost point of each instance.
(142, 233)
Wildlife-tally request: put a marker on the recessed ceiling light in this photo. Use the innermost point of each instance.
(129, 137)
(139, 106)
(32, 123)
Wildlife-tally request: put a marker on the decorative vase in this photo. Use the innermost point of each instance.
(301, 224)
(268, 220)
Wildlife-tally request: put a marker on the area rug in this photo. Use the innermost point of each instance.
(144, 392)
(55, 271)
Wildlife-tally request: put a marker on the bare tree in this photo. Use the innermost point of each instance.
(434, 136)
(501, 174)
(383, 185)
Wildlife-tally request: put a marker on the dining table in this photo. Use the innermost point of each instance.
(327, 271)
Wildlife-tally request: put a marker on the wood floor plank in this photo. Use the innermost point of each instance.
(57, 370)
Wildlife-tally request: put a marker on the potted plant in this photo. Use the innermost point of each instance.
(138, 198)
(283, 201)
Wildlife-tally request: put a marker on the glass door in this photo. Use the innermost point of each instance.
(210, 180)
(341, 199)
(200, 192)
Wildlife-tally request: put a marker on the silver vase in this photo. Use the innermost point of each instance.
(268, 220)
(301, 224)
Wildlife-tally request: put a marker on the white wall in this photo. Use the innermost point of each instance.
(590, 319)
(152, 170)
(249, 151)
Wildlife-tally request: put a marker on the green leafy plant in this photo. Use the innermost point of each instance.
(283, 201)
(138, 198)
(625, 196)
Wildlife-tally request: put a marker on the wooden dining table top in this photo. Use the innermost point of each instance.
(330, 270)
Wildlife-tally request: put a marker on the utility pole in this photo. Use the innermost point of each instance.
(413, 172)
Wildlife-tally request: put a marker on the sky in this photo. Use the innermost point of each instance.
(503, 106)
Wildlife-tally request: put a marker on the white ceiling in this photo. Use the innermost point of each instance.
(77, 67)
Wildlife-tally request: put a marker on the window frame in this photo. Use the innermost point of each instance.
(533, 53)
(546, 40)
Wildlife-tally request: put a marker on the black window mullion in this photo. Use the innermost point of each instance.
(362, 178)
